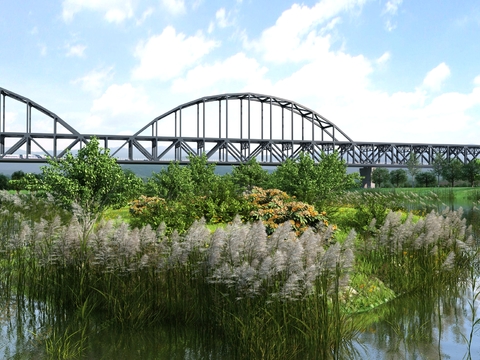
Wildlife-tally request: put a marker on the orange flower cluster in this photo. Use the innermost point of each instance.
(146, 204)
(274, 207)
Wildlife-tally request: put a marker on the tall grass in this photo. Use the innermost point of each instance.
(277, 296)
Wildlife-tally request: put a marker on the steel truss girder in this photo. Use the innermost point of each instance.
(299, 128)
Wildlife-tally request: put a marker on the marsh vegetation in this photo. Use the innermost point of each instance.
(260, 274)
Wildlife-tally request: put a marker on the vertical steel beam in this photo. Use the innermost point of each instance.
(241, 118)
(271, 134)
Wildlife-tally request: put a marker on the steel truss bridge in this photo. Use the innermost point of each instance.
(229, 128)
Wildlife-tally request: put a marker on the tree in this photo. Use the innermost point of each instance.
(471, 171)
(4, 182)
(202, 174)
(438, 164)
(246, 176)
(426, 179)
(380, 176)
(413, 167)
(398, 177)
(92, 179)
(452, 170)
(17, 182)
(314, 183)
(173, 183)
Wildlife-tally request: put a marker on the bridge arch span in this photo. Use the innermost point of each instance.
(23, 135)
(235, 127)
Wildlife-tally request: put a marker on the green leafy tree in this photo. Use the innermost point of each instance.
(380, 176)
(471, 171)
(452, 171)
(4, 179)
(398, 177)
(438, 165)
(91, 179)
(17, 182)
(173, 183)
(202, 174)
(314, 183)
(413, 167)
(426, 179)
(246, 176)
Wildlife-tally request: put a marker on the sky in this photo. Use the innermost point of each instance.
(380, 70)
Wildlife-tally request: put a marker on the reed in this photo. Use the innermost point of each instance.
(269, 296)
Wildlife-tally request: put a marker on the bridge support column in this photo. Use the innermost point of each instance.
(366, 173)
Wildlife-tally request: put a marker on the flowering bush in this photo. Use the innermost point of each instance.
(274, 207)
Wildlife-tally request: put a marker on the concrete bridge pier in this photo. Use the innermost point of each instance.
(366, 173)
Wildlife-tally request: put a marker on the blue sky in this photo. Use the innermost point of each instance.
(381, 70)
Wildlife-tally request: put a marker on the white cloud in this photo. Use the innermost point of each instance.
(221, 18)
(95, 80)
(114, 10)
(435, 77)
(295, 35)
(390, 10)
(174, 6)
(235, 72)
(120, 108)
(476, 81)
(167, 55)
(76, 50)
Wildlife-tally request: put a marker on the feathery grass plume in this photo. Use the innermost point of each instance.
(195, 240)
(449, 262)
(99, 243)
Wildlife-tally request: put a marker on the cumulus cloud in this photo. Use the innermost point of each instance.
(120, 108)
(167, 55)
(436, 77)
(235, 72)
(113, 10)
(296, 33)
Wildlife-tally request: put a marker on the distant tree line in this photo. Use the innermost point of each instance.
(451, 171)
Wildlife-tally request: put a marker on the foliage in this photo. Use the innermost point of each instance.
(380, 176)
(426, 179)
(413, 167)
(471, 171)
(274, 207)
(437, 166)
(452, 170)
(172, 183)
(4, 179)
(91, 179)
(314, 183)
(398, 177)
(247, 175)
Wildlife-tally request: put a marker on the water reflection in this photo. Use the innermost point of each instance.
(26, 332)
